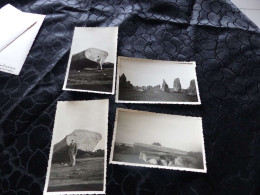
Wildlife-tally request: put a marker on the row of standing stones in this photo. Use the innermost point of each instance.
(177, 88)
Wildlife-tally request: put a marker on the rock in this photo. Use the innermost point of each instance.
(143, 156)
(163, 162)
(86, 142)
(153, 88)
(191, 90)
(165, 86)
(177, 85)
(178, 161)
(90, 58)
(152, 161)
(123, 83)
(171, 163)
(129, 85)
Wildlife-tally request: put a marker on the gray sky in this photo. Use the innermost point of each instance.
(143, 72)
(85, 115)
(184, 133)
(104, 38)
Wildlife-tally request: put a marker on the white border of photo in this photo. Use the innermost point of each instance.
(192, 64)
(113, 36)
(187, 118)
(106, 108)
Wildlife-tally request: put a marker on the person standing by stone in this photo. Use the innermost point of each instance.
(73, 149)
(99, 67)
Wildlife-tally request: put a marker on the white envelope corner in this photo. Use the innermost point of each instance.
(20, 30)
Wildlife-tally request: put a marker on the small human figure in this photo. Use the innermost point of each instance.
(99, 63)
(73, 149)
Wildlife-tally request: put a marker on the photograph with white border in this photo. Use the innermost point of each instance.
(155, 140)
(156, 82)
(92, 60)
(78, 153)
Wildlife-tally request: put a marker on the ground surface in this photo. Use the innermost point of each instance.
(95, 80)
(87, 175)
(127, 158)
(132, 159)
(135, 159)
(161, 96)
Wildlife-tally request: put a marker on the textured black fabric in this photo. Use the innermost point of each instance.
(214, 33)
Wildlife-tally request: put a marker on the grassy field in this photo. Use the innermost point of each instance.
(87, 175)
(127, 158)
(160, 96)
(96, 80)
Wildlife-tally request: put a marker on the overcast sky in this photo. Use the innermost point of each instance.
(104, 38)
(183, 133)
(143, 72)
(85, 115)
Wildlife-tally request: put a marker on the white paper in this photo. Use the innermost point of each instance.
(13, 56)
(13, 23)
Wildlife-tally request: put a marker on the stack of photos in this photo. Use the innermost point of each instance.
(148, 139)
(155, 81)
(92, 60)
(77, 161)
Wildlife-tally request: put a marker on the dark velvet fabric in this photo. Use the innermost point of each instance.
(214, 33)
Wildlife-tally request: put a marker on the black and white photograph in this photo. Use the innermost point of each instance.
(92, 61)
(147, 139)
(77, 161)
(156, 82)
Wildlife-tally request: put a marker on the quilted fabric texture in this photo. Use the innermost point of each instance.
(214, 33)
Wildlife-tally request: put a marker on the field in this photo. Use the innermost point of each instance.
(91, 79)
(87, 175)
(132, 159)
(191, 160)
(159, 96)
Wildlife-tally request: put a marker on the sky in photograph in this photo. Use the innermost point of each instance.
(183, 133)
(142, 72)
(85, 115)
(100, 38)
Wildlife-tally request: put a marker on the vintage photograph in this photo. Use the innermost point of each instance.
(92, 60)
(155, 140)
(155, 82)
(77, 161)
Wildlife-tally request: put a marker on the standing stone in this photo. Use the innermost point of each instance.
(163, 162)
(96, 55)
(165, 86)
(122, 81)
(177, 85)
(192, 88)
(89, 58)
(143, 156)
(86, 142)
(171, 163)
